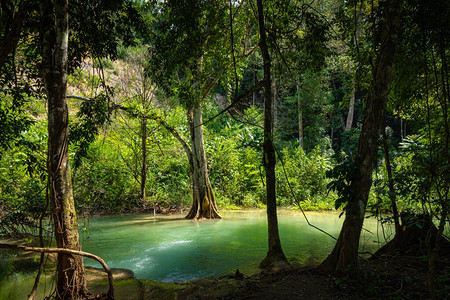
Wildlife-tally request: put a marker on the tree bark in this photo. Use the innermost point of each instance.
(345, 252)
(71, 281)
(392, 195)
(275, 106)
(203, 201)
(275, 256)
(300, 117)
(254, 93)
(144, 157)
(351, 110)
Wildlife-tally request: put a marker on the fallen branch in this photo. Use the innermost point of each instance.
(110, 294)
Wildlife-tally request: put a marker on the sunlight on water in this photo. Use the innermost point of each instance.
(171, 248)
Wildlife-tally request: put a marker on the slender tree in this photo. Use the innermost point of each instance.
(138, 93)
(300, 117)
(275, 255)
(356, 37)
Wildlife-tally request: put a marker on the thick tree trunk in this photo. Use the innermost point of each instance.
(70, 282)
(345, 252)
(275, 256)
(144, 158)
(203, 201)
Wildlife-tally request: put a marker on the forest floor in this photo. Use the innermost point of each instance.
(385, 277)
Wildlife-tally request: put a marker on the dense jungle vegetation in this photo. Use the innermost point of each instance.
(198, 106)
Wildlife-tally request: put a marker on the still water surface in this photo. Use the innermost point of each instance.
(171, 248)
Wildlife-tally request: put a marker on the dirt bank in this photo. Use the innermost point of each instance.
(385, 277)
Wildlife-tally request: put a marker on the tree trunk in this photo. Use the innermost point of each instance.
(345, 252)
(442, 188)
(351, 110)
(275, 256)
(203, 201)
(300, 117)
(275, 106)
(254, 93)
(392, 195)
(144, 157)
(70, 281)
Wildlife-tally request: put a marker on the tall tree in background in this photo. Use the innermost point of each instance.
(191, 53)
(345, 252)
(138, 95)
(356, 40)
(297, 43)
(71, 281)
(182, 64)
(296, 38)
(275, 255)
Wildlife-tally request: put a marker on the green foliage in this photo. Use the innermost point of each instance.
(102, 183)
(233, 150)
(315, 98)
(191, 47)
(93, 114)
(108, 178)
(424, 173)
(343, 175)
(314, 95)
(168, 180)
(349, 140)
(105, 63)
(234, 172)
(307, 178)
(23, 181)
(302, 32)
(14, 119)
(97, 27)
(420, 176)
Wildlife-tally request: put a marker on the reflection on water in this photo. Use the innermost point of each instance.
(171, 248)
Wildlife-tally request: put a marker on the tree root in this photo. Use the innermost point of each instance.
(109, 295)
